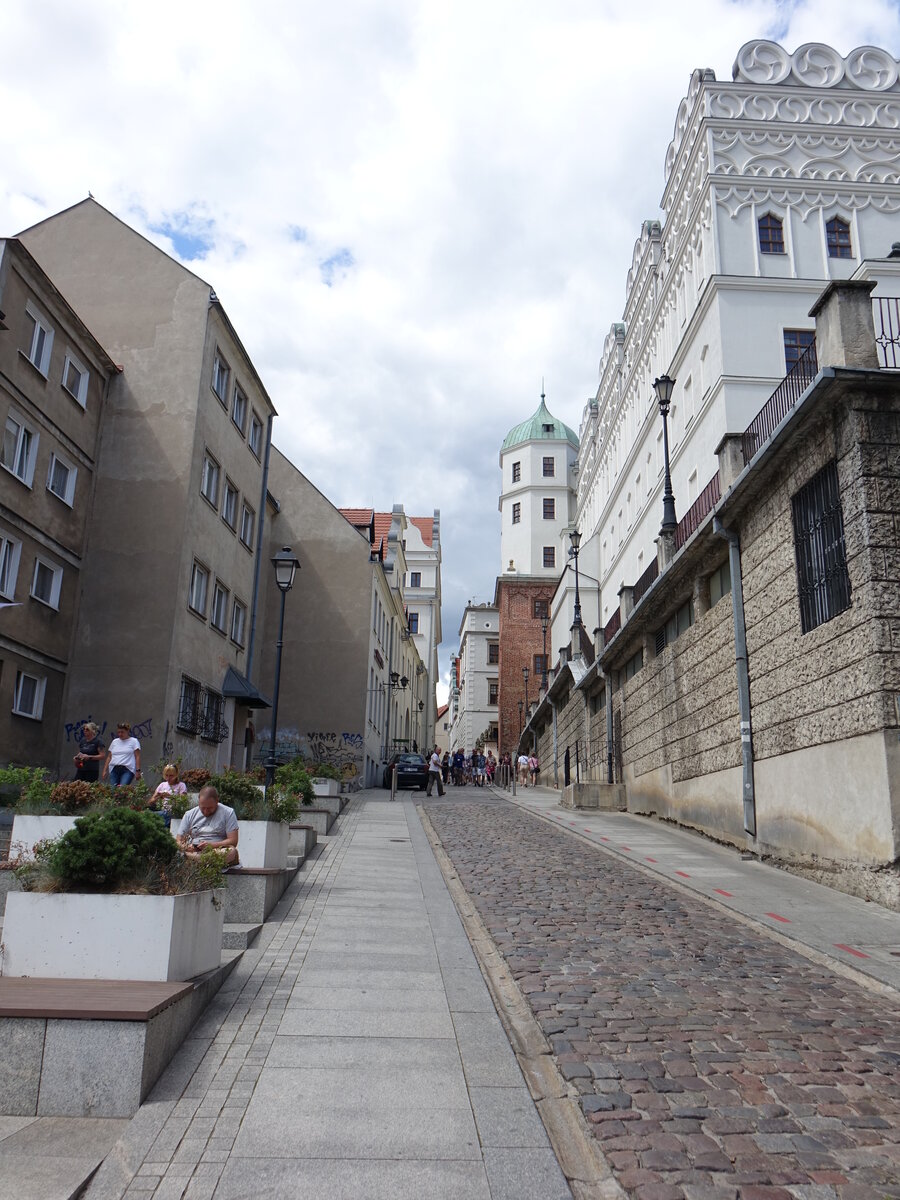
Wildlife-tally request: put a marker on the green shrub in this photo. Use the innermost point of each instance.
(106, 852)
(324, 771)
(293, 779)
(194, 778)
(32, 785)
(72, 796)
(239, 792)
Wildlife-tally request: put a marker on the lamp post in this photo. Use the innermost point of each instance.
(663, 388)
(520, 718)
(285, 565)
(575, 539)
(545, 621)
(525, 677)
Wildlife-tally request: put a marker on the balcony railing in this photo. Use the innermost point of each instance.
(612, 626)
(886, 316)
(695, 515)
(646, 581)
(780, 403)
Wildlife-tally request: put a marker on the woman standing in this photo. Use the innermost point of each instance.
(90, 754)
(123, 758)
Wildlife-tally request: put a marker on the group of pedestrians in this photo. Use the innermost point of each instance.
(528, 767)
(121, 762)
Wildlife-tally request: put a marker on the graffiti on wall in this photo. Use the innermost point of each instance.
(343, 751)
(143, 730)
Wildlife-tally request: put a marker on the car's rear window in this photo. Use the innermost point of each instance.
(416, 759)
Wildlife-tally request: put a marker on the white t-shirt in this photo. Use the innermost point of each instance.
(523, 760)
(435, 763)
(197, 828)
(122, 751)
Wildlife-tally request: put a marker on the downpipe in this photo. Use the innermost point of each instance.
(743, 673)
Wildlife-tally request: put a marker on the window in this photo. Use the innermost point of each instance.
(239, 408)
(493, 691)
(796, 343)
(230, 505)
(837, 238)
(189, 706)
(256, 435)
(549, 466)
(219, 615)
(199, 587)
(516, 513)
(823, 582)
(516, 472)
(720, 583)
(209, 481)
(634, 664)
(10, 552)
(247, 518)
(19, 450)
(493, 653)
(75, 379)
(415, 579)
(539, 666)
(28, 698)
(220, 375)
(46, 582)
(541, 609)
(771, 235)
(675, 626)
(212, 727)
(549, 556)
(413, 622)
(40, 341)
(238, 622)
(549, 508)
(61, 479)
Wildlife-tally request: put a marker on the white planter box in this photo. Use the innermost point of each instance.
(263, 843)
(326, 787)
(77, 936)
(27, 830)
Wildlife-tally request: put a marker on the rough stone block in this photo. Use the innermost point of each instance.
(21, 1054)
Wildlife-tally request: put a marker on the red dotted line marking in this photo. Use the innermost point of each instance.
(779, 917)
(683, 874)
(649, 859)
(850, 950)
(722, 892)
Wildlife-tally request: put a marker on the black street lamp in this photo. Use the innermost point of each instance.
(663, 388)
(575, 539)
(525, 677)
(285, 565)
(520, 718)
(545, 621)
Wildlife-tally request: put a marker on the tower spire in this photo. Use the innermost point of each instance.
(543, 397)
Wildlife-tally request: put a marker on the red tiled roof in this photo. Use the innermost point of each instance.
(425, 526)
(357, 516)
(382, 528)
(441, 711)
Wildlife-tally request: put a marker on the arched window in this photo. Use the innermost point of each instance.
(771, 234)
(837, 238)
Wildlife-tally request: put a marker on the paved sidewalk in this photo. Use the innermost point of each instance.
(355, 1051)
(857, 934)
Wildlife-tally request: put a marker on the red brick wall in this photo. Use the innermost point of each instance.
(520, 640)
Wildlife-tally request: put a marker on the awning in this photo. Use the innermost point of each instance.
(237, 687)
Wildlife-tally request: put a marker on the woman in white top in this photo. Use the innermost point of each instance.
(123, 758)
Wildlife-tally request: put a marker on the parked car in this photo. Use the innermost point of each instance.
(412, 771)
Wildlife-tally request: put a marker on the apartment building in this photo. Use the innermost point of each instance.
(56, 380)
(477, 667)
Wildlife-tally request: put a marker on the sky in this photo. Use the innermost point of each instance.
(413, 211)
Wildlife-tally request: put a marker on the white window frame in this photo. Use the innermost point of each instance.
(239, 636)
(210, 463)
(247, 511)
(56, 585)
(79, 396)
(220, 591)
(233, 490)
(221, 377)
(67, 497)
(23, 427)
(40, 682)
(238, 391)
(41, 363)
(199, 574)
(10, 554)
(254, 438)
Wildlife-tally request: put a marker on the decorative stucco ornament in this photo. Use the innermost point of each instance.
(868, 68)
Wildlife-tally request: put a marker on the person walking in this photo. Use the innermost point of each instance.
(533, 768)
(123, 758)
(91, 753)
(522, 764)
(434, 773)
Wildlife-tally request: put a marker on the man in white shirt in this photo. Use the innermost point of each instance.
(434, 773)
(210, 824)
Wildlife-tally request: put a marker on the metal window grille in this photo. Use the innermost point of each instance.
(823, 582)
(212, 727)
(189, 706)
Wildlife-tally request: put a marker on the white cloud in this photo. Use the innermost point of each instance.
(474, 174)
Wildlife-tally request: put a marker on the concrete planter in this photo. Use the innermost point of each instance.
(77, 936)
(27, 830)
(326, 787)
(263, 843)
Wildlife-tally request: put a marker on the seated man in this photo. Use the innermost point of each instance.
(209, 824)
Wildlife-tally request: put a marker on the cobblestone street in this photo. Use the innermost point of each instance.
(710, 1060)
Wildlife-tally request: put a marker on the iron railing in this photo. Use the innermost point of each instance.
(698, 511)
(612, 626)
(646, 581)
(780, 403)
(886, 317)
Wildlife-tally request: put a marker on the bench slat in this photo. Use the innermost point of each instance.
(88, 999)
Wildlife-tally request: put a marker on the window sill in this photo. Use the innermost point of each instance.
(46, 604)
(82, 404)
(62, 499)
(221, 632)
(37, 370)
(214, 507)
(249, 549)
(27, 716)
(224, 403)
(196, 613)
(19, 478)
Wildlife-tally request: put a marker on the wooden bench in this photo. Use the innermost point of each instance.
(252, 892)
(93, 1047)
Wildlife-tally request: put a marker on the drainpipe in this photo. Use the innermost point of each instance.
(743, 674)
(555, 746)
(260, 529)
(609, 729)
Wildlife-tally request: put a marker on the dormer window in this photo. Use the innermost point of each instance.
(547, 427)
(771, 234)
(837, 238)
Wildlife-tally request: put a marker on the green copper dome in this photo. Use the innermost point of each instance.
(543, 426)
